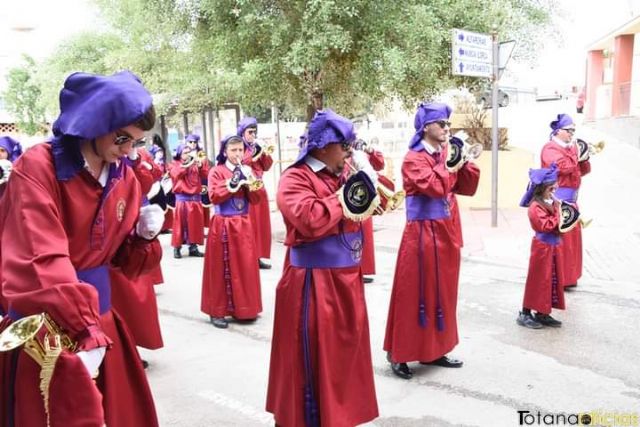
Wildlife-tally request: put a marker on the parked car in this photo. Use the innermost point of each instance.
(484, 98)
(545, 94)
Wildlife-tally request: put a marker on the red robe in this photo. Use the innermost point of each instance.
(49, 230)
(441, 239)
(231, 278)
(188, 219)
(570, 172)
(338, 325)
(135, 299)
(259, 212)
(368, 263)
(542, 290)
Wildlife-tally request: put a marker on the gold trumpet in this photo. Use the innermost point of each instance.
(253, 183)
(586, 149)
(389, 200)
(43, 340)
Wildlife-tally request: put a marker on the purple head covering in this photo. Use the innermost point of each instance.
(192, 137)
(562, 121)
(12, 147)
(427, 113)
(246, 123)
(538, 177)
(326, 128)
(92, 105)
(222, 156)
(179, 149)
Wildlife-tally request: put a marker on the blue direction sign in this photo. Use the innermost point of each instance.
(471, 54)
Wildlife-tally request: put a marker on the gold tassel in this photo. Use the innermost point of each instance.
(51, 354)
(362, 216)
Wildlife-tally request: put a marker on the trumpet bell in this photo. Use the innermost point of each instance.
(390, 200)
(20, 332)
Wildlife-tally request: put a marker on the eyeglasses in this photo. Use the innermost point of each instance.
(252, 132)
(443, 123)
(123, 138)
(346, 146)
(570, 130)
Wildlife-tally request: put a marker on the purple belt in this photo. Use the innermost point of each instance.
(181, 197)
(423, 207)
(337, 251)
(567, 194)
(97, 277)
(548, 238)
(233, 206)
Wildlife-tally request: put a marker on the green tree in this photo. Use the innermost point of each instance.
(356, 53)
(23, 98)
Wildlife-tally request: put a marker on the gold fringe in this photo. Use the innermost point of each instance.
(51, 354)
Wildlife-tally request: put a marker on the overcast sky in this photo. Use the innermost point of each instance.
(583, 22)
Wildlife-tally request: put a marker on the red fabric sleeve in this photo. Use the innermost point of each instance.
(137, 256)
(542, 219)
(377, 160)
(37, 273)
(420, 176)
(311, 215)
(468, 178)
(566, 164)
(585, 167)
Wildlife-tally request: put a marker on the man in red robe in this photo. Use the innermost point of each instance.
(562, 150)
(260, 161)
(187, 172)
(71, 210)
(321, 371)
(422, 320)
(231, 279)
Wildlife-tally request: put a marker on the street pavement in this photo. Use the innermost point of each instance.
(211, 377)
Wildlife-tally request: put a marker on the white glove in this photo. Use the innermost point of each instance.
(361, 162)
(133, 154)
(150, 221)
(91, 359)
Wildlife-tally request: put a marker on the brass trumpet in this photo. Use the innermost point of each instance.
(252, 183)
(460, 151)
(586, 149)
(389, 200)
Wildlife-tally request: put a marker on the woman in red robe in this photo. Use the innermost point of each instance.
(187, 172)
(260, 214)
(72, 209)
(231, 279)
(321, 371)
(543, 289)
(422, 321)
(562, 151)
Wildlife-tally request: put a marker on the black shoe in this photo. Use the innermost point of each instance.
(165, 232)
(220, 322)
(176, 253)
(547, 320)
(193, 251)
(570, 287)
(527, 320)
(145, 364)
(367, 279)
(263, 265)
(445, 362)
(402, 370)
(246, 321)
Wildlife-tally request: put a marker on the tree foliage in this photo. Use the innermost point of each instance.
(198, 54)
(23, 98)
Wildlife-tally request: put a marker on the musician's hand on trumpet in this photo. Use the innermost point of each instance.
(460, 152)
(243, 175)
(586, 149)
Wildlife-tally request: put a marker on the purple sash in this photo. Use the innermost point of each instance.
(421, 207)
(337, 251)
(233, 206)
(181, 197)
(97, 277)
(567, 194)
(548, 238)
